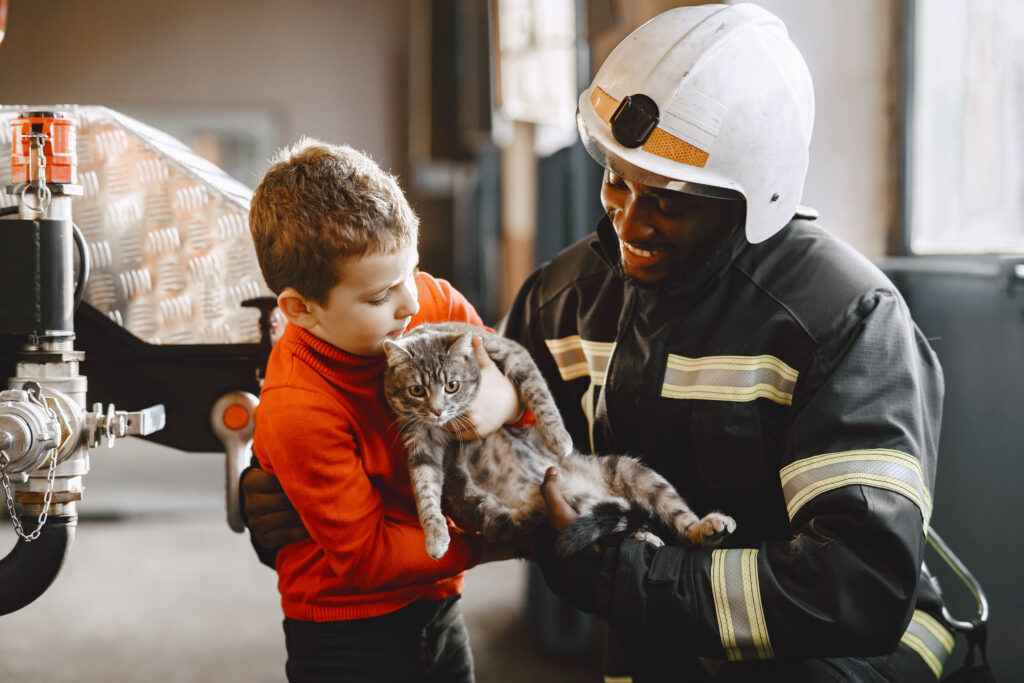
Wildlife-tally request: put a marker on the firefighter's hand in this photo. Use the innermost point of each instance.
(585, 579)
(560, 513)
(268, 512)
(496, 403)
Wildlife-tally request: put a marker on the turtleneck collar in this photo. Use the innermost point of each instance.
(694, 282)
(337, 365)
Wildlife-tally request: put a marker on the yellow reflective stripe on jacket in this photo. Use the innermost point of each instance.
(576, 358)
(737, 594)
(729, 378)
(929, 638)
(879, 467)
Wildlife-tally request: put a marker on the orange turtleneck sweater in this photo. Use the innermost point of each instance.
(324, 429)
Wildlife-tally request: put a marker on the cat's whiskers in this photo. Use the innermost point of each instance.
(462, 422)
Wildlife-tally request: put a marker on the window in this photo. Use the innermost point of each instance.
(965, 136)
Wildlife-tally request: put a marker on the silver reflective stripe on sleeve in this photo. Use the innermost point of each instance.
(737, 594)
(576, 358)
(878, 467)
(729, 378)
(930, 639)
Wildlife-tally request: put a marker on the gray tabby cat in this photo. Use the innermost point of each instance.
(493, 484)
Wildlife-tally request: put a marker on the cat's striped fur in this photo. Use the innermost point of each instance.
(493, 484)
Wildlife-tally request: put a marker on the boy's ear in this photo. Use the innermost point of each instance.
(297, 308)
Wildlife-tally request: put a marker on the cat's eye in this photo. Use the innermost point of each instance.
(417, 391)
(451, 387)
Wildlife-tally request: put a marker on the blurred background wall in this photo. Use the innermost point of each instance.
(410, 83)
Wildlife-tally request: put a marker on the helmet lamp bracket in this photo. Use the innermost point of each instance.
(635, 119)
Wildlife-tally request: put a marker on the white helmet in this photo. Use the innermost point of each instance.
(712, 100)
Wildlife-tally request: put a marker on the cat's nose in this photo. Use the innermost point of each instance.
(436, 411)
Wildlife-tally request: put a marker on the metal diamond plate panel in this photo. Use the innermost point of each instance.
(167, 231)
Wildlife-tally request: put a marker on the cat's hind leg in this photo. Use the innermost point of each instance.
(503, 525)
(709, 530)
(631, 479)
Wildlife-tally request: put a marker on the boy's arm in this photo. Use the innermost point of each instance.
(337, 502)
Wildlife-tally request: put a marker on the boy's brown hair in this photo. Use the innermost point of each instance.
(319, 204)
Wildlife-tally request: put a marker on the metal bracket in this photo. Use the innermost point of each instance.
(233, 419)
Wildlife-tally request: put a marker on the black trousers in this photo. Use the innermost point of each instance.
(425, 641)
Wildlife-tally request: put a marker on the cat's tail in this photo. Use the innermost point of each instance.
(604, 519)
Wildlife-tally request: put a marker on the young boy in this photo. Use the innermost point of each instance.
(336, 241)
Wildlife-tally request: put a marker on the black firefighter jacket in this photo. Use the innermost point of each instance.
(784, 384)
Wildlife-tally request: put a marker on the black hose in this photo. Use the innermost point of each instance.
(30, 568)
(83, 255)
(83, 264)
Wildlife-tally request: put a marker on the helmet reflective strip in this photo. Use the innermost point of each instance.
(729, 378)
(929, 638)
(878, 467)
(576, 358)
(661, 143)
(737, 594)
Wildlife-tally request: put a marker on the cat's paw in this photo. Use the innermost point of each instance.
(714, 528)
(558, 441)
(437, 544)
(648, 537)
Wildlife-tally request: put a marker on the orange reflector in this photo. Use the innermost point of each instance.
(235, 417)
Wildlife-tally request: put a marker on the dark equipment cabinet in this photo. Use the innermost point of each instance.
(972, 311)
(187, 379)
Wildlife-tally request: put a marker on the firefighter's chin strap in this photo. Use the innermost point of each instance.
(976, 630)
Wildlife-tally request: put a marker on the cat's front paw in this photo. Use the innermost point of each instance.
(558, 441)
(715, 527)
(437, 543)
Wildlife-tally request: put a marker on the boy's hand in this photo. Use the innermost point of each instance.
(269, 514)
(496, 403)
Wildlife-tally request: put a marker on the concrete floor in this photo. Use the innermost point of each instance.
(157, 588)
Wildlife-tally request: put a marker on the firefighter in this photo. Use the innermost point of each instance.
(711, 327)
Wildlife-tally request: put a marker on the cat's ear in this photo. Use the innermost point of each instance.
(462, 344)
(395, 353)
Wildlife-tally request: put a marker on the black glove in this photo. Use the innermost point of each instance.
(267, 512)
(584, 579)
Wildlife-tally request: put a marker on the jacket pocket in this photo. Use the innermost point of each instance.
(730, 447)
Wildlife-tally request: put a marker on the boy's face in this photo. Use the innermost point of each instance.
(374, 301)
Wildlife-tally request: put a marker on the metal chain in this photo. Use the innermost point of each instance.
(5, 480)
